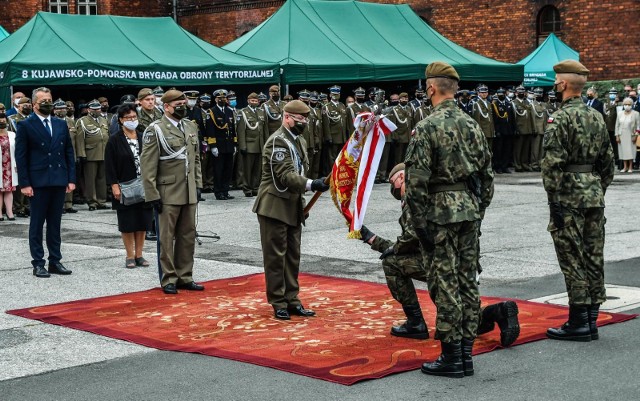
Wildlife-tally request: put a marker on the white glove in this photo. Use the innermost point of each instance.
(214, 152)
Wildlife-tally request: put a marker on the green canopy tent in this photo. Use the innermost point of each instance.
(538, 66)
(57, 49)
(317, 41)
(3, 33)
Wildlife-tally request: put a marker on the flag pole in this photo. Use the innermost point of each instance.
(314, 198)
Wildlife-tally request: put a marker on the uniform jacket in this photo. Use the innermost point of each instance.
(596, 104)
(73, 132)
(448, 147)
(198, 116)
(171, 180)
(252, 129)
(273, 113)
(91, 137)
(610, 115)
(406, 243)
(402, 117)
(420, 113)
(539, 116)
(522, 113)
(145, 119)
(283, 183)
(356, 109)
(44, 160)
(313, 134)
(334, 117)
(503, 117)
(466, 107)
(576, 134)
(220, 129)
(13, 121)
(483, 114)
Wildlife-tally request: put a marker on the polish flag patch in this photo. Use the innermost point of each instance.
(550, 120)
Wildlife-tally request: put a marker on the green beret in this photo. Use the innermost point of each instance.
(440, 69)
(144, 92)
(297, 107)
(171, 95)
(24, 100)
(395, 169)
(570, 67)
(252, 95)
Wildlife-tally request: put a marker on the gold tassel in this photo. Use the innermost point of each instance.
(355, 234)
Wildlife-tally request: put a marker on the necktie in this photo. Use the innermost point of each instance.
(46, 125)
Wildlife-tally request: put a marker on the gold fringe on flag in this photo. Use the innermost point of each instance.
(355, 234)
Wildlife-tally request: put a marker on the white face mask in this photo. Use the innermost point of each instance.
(530, 97)
(191, 102)
(131, 125)
(627, 107)
(349, 104)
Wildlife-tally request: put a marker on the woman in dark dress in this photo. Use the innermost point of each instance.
(122, 163)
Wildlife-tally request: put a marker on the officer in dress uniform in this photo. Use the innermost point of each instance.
(221, 133)
(417, 100)
(238, 164)
(158, 92)
(610, 109)
(310, 131)
(504, 124)
(358, 107)
(464, 101)
(279, 206)
(539, 116)
(273, 109)
(262, 98)
(372, 98)
(92, 134)
(196, 115)
(170, 165)
(60, 111)
(252, 133)
(402, 117)
(483, 114)
(104, 108)
(524, 129)
(206, 143)
(315, 118)
(334, 121)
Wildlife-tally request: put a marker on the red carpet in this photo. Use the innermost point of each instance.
(347, 342)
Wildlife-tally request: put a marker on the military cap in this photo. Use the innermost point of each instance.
(304, 94)
(2, 107)
(313, 96)
(82, 106)
(220, 93)
(127, 99)
(380, 90)
(59, 104)
(287, 97)
(252, 95)
(403, 94)
(102, 99)
(191, 94)
(373, 90)
(158, 91)
(24, 100)
(551, 94)
(274, 88)
(570, 67)
(262, 96)
(322, 96)
(231, 95)
(500, 90)
(334, 89)
(482, 88)
(472, 93)
(419, 91)
(144, 92)
(538, 91)
(439, 69)
(359, 91)
(613, 91)
(520, 89)
(297, 107)
(94, 105)
(530, 90)
(172, 95)
(395, 169)
(205, 98)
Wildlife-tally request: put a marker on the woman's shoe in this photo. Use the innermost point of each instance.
(142, 262)
(130, 263)
(11, 218)
(624, 170)
(630, 170)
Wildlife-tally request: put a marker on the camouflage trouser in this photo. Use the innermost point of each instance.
(399, 270)
(579, 248)
(451, 278)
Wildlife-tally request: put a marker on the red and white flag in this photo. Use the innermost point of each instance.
(355, 168)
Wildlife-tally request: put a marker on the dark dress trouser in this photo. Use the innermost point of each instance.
(46, 206)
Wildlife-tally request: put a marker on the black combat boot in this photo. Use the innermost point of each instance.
(467, 362)
(414, 327)
(576, 328)
(506, 315)
(593, 311)
(448, 364)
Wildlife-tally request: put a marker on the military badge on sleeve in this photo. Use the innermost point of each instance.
(148, 136)
(279, 156)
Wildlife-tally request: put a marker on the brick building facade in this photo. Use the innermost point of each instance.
(507, 30)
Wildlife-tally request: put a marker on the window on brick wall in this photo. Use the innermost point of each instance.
(88, 7)
(59, 6)
(548, 22)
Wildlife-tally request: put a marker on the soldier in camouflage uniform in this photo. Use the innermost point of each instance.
(577, 168)
(402, 262)
(450, 184)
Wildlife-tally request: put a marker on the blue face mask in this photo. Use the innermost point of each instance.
(612, 97)
(232, 103)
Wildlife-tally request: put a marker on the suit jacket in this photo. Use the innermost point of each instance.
(283, 183)
(596, 104)
(44, 160)
(171, 180)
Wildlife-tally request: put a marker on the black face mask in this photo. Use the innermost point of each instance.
(275, 98)
(396, 193)
(206, 106)
(61, 114)
(419, 97)
(26, 111)
(179, 112)
(95, 114)
(394, 103)
(70, 113)
(520, 95)
(404, 103)
(3, 125)
(104, 109)
(298, 128)
(590, 97)
(221, 103)
(634, 98)
(501, 97)
(45, 108)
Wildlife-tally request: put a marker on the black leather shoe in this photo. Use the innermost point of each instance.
(150, 236)
(170, 289)
(248, 194)
(102, 207)
(58, 268)
(40, 271)
(226, 195)
(282, 314)
(70, 210)
(92, 208)
(192, 286)
(300, 311)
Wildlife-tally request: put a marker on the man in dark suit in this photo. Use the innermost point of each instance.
(46, 171)
(592, 100)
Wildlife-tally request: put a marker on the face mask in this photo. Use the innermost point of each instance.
(70, 113)
(221, 103)
(298, 128)
(46, 108)
(501, 97)
(275, 98)
(396, 193)
(530, 97)
(590, 97)
(179, 112)
(349, 104)
(510, 95)
(3, 125)
(335, 98)
(404, 103)
(206, 106)
(61, 114)
(627, 107)
(94, 114)
(233, 103)
(419, 97)
(634, 98)
(191, 102)
(520, 95)
(612, 97)
(313, 103)
(130, 125)
(104, 109)
(394, 102)
(26, 111)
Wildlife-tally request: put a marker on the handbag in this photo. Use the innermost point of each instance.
(132, 192)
